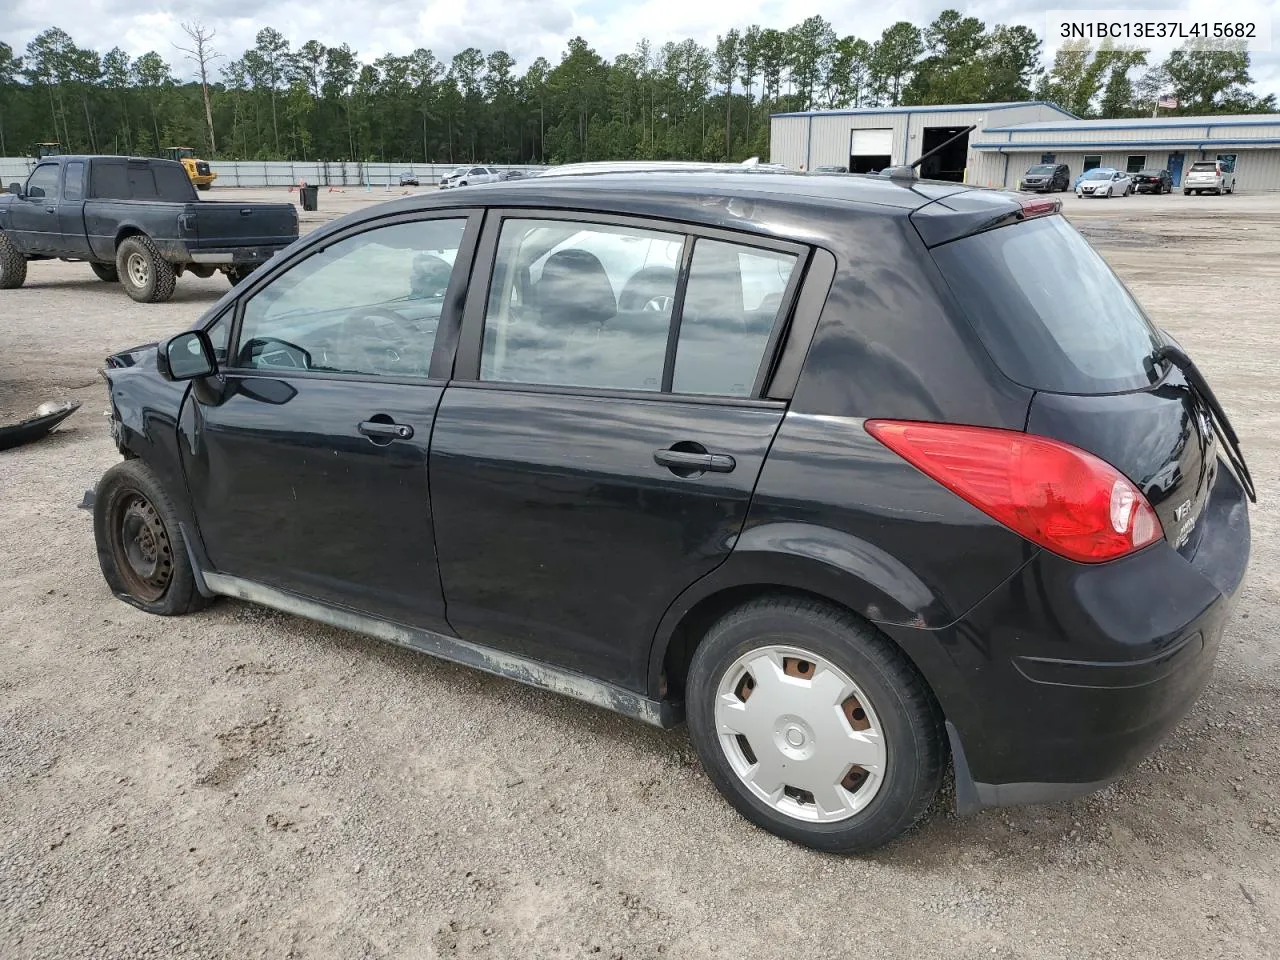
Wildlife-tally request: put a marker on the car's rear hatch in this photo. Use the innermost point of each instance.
(1056, 319)
(223, 224)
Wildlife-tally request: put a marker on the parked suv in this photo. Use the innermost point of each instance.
(1046, 178)
(863, 476)
(1209, 176)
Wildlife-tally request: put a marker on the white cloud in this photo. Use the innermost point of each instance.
(524, 28)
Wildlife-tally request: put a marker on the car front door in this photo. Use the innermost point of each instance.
(33, 220)
(307, 464)
(597, 450)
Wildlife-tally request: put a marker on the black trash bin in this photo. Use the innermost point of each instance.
(310, 197)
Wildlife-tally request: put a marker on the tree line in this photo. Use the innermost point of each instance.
(677, 100)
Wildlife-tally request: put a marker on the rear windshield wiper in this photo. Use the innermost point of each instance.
(1221, 425)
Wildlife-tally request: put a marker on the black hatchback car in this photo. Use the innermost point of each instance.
(860, 475)
(1046, 178)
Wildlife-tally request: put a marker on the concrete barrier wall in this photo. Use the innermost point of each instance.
(284, 173)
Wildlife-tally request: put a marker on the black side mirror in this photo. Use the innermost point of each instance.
(188, 356)
(15, 188)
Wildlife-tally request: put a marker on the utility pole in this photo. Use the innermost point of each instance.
(202, 55)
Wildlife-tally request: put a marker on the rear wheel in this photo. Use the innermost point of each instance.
(140, 548)
(106, 272)
(145, 275)
(203, 186)
(13, 265)
(813, 725)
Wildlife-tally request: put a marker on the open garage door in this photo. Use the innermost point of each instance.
(870, 150)
(948, 163)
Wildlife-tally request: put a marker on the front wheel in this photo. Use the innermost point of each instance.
(145, 275)
(203, 186)
(813, 725)
(140, 547)
(13, 265)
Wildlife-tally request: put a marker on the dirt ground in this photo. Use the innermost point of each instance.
(241, 783)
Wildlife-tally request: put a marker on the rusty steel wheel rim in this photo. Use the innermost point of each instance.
(143, 551)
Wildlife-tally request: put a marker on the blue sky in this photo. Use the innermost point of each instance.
(524, 28)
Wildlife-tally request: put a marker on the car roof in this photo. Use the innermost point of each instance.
(688, 191)
(805, 208)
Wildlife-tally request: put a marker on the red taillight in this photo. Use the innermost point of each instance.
(1062, 498)
(1039, 208)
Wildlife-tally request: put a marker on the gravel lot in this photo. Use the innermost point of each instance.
(246, 784)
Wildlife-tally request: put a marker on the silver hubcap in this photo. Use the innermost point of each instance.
(800, 734)
(139, 270)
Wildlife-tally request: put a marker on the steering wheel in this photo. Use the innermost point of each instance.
(380, 340)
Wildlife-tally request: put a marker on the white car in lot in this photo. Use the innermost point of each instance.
(1210, 176)
(1104, 182)
(463, 176)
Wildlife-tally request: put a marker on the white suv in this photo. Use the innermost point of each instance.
(1210, 176)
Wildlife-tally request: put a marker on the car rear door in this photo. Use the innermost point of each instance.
(75, 242)
(598, 447)
(307, 468)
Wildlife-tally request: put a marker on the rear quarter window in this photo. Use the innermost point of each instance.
(1049, 310)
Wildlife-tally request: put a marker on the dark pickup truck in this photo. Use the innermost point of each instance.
(138, 221)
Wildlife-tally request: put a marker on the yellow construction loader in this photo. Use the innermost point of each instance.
(197, 170)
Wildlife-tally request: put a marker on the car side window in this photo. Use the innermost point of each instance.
(73, 181)
(368, 304)
(731, 304)
(43, 182)
(583, 305)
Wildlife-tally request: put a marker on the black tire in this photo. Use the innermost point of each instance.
(152, 279)
(203, 186)
(106, 272)
(135, 525)
(910, 718)
(13, 265)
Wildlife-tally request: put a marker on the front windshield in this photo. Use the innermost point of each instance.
(1150, 173)
(1042, 168)
(1099, 174)
(460, 172)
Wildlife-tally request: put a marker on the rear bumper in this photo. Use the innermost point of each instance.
(235, 256)
(1068, 674)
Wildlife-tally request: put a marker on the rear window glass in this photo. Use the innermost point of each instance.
(1204, 165)
(1049, 309)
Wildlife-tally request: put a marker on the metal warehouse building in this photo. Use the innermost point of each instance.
(1010, 137)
